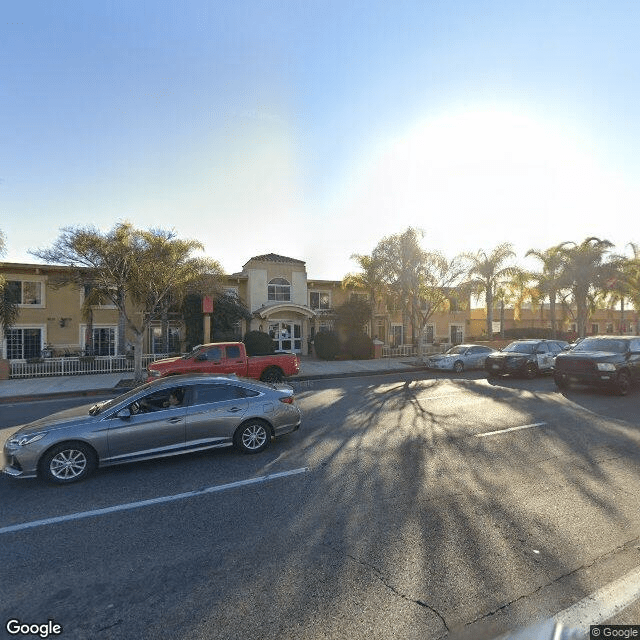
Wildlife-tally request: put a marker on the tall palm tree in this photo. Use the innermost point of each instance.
(404, 269)
(369, 279)
(485, 273)
(627, 286)
(549, 279)
(9, 309)
(587, 269)
(632, 269)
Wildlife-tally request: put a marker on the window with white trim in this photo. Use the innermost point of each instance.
(24, 343)
(428, 334)
(320, 300)
(103, 341)
(157, 343)
(279, 290)
(25, 292)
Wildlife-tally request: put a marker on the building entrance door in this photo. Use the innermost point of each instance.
(286, 335)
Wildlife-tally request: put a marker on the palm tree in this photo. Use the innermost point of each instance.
(632, 270)
(586, 271)
(404, 269)
(370, 280)
(9, 309)
(485, 273)
(549, 279)
(627, 285)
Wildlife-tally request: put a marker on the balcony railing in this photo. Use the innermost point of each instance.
(75, 366)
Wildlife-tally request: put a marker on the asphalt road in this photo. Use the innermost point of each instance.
(443, 507)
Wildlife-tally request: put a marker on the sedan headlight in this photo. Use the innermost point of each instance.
(21, 441)
(605, 366)
(153, 373)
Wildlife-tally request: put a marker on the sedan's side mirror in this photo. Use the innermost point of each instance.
(201, 357)
(124, 413)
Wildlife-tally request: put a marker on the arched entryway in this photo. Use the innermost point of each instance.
(287, 324)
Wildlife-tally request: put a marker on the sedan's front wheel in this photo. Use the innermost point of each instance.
(623, 383)
(458, 366)
(68, 462)
(252, 437)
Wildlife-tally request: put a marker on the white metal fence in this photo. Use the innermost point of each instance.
(75, 366)
(411, 350)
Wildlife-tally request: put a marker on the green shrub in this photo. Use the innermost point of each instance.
(358, 347)
(327, 345)
(258, 343)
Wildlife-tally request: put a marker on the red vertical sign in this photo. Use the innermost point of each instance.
(207, 304)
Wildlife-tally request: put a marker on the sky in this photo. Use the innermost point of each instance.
(314, 129)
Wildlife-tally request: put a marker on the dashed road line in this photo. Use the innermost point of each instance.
(501, 431)
(152, 501)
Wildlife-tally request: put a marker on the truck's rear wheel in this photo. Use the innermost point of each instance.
(272, 374)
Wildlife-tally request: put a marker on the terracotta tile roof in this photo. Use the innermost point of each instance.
(273, 257)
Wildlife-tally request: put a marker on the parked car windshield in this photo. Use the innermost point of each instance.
(602, 344)
(455, 350)
(520, 347)
(192, 353)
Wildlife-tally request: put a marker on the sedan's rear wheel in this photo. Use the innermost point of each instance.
(252, 436)
(531, 371)
(458, 366)
(68, 462)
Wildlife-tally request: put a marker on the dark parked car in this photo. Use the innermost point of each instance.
(525, 358)
(604, 361)
(167, 417)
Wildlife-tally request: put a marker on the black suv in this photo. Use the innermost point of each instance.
(604, 361)
(524, 357)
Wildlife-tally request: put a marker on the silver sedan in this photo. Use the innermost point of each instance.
(163, 418)
(460, 357)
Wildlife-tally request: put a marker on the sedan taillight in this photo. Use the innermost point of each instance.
(287, 400)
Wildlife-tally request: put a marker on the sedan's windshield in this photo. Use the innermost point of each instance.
(101, 407)
(455, 350)
(520, 347)
(602, 344)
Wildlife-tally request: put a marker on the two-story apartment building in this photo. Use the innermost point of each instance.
(282, 299)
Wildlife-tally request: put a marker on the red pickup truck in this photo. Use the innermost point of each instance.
(227, 357)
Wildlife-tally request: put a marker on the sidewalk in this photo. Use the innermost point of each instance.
(21, 390)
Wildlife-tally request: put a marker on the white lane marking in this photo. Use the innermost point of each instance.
(151, 501)
(525, 426)
(573, 623)
(602, 604)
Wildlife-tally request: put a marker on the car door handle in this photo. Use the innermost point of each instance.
(235, 409)
(174, 420)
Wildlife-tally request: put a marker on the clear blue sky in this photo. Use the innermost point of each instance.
(313, 129)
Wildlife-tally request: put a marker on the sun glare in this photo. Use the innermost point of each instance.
(459, 172)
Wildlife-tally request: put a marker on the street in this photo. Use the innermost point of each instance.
(406, 506)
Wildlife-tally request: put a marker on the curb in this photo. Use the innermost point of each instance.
(123, 389)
